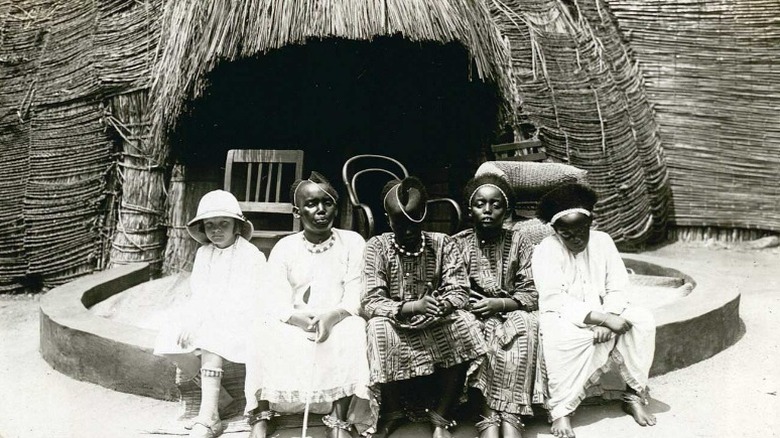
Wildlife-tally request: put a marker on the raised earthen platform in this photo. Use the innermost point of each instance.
(119, 356)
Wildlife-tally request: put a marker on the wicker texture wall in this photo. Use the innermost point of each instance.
(61, 63)
(713, 69)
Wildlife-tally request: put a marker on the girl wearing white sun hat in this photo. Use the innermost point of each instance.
(210, 327)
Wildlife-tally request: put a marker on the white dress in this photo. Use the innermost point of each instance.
(284, 367)
(571, 286)
(224, 285)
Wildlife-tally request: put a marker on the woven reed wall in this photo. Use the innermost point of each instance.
(713, 69)
(62, 65)
(83, 180)
(578, 83)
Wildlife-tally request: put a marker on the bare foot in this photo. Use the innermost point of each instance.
(637, 410)
(440, 432)
(561, 428)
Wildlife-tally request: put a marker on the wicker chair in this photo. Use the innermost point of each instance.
(529, 181)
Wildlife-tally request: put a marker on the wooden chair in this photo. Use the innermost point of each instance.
(260, 179)
(374, 171)
(526, 150)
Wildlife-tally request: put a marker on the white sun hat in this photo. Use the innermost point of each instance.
(218, 203)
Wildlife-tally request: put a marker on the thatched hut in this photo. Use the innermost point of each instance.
(115, 115)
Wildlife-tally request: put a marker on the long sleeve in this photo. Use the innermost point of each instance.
(353, 279)
(523, 290)
(547, 266)
(617, 281)
(376, 299)
(280, 292)
(454, 277)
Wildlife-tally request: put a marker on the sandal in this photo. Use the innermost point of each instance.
(209, 430)
(334, 425)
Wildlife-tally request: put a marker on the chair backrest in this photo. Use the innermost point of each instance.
(260, 180)
(374, 171)
(526, 150)
(373, 165)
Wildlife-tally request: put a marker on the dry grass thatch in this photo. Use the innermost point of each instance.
(199, 34)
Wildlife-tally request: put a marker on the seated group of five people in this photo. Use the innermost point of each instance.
(371, 333)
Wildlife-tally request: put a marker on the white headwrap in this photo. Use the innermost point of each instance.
(563, 213)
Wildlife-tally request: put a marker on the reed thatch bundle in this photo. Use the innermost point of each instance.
(141, 219)
(578, 83)
(712, 69)
(197, 35)
(183, 197)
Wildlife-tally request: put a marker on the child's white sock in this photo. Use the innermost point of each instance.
(211, 382)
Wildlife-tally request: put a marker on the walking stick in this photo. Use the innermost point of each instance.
(309, 391)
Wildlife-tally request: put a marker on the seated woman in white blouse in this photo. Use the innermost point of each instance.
(586, 321)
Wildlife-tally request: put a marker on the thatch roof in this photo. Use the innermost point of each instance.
(199, 34)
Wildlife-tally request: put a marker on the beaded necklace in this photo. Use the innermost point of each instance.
(317, 248)
(405, 252)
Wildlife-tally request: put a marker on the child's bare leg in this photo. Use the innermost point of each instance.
(634, 406)
(261, 426)
(561, 428)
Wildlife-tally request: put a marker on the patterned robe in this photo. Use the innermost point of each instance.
(401, 348)
(511, 376)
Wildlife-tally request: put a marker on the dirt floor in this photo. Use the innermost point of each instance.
(733, 394)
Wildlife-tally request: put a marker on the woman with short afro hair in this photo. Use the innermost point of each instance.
(587, 324)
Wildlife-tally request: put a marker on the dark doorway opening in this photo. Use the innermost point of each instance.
(334, 98)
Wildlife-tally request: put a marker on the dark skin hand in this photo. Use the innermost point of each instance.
(606, 326)
(486, 307)
(427, 305)
(323, 324)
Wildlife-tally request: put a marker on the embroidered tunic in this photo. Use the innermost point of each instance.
(284, 367)
(511, 375)
(224, 283)
(570, 286)
(401, 348)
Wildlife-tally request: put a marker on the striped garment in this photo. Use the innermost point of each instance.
(511, 375)
(398, 350)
